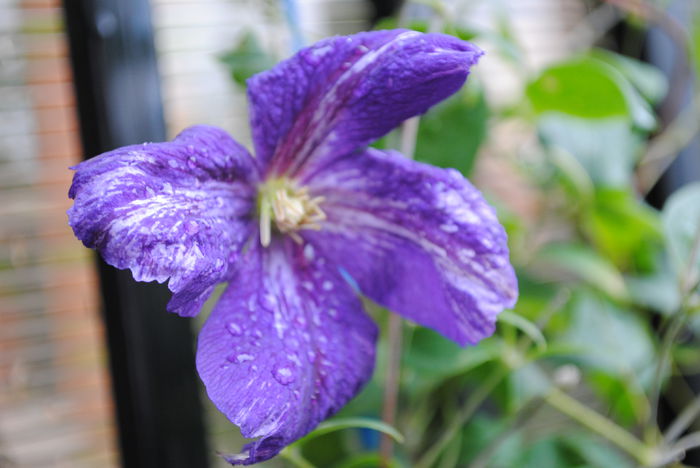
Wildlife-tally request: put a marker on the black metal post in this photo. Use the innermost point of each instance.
(159, 413)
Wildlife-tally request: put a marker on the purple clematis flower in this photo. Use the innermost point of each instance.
(288, 343)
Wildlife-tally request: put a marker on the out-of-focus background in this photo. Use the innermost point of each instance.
(569, 125)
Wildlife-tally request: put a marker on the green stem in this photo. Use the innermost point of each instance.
(601, 425)
(687, 284)
(294, 456)
(475, 400)
(391, 386)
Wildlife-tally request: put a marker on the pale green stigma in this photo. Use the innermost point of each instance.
(291, 208)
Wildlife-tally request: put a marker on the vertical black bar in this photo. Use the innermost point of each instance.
(151, 354)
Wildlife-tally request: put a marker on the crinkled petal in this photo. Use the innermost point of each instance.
(344, 92)
(287, 345)
(418, 239)
(178, 210)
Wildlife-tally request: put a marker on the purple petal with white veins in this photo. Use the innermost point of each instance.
(344, 92)
(178, 210)
(287, 346)
(418, 239)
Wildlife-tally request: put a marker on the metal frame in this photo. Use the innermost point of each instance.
(151, 355)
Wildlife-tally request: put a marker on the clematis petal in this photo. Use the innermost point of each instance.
(418, 239)
(344, 92)
(286, 346)
(177, 210)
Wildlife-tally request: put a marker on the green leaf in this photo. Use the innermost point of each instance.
(581, 87)
(246, 59)
(577, 262)
(574, 178)
(432, 360)
(606, 148)
(527, 382)
(590, 88)
(624, 229)
(480, 432)
(657, 291)
(353, 423)
(647, 79)
(431, 357)
(452, 132)
(625, 400)
(681, 222)
(610, 339)
(595, 451)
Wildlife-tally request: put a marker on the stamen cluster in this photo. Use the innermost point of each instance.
(292, 209)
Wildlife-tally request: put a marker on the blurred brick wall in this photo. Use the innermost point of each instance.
(55, 407)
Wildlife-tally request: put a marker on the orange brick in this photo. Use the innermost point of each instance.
(63, 146)
(47, 70)
(56, 94)
(56, 119)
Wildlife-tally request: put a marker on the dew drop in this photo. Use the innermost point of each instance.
(234, 329)
(449, 228)
(172, 163)
(327, 285)
(241, 358)
(252, 303)
(284, 375)
(309, 252)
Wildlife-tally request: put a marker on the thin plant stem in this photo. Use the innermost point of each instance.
(687, 283)
(668, 339)
(391, 386)
(683, 421)
(408, 135)
(678, 450)
(489, 384)
(688, 442)
(601, 425)
(518, 421)
(475, 400)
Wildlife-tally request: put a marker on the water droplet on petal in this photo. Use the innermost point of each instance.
(449, 228)
(284, 375)
(240, 358)
(309, 252)
(252, 303)
(234, 329)
(327, 285)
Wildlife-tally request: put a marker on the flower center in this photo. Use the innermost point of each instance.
(290, 207)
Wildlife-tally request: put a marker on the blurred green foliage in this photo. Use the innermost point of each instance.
(607, 282)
